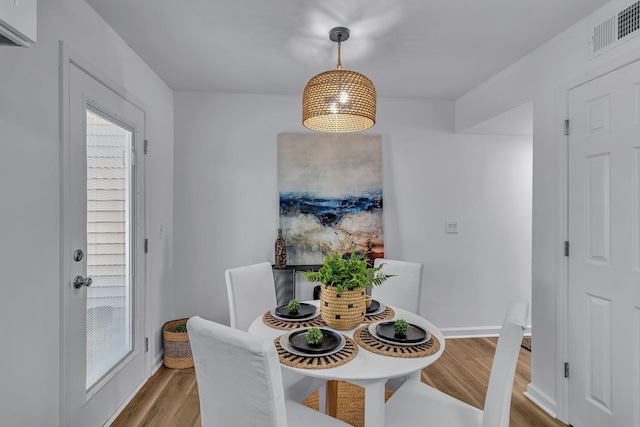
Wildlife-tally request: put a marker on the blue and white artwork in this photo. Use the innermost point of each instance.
(330, 189)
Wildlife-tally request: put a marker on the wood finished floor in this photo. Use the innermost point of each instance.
(170, 397)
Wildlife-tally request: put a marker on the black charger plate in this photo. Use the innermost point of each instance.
(306, 310)
(415, 334)
(330, 341)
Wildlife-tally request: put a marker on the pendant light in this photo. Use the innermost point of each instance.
(339, 100)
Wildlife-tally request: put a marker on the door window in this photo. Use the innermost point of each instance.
(108, 245)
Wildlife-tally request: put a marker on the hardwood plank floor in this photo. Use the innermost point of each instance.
(170, 397)
(463, 372)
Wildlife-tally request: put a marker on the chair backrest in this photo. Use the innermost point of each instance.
(238, 376)
(251, 292)
(402, 290)
(497, 404)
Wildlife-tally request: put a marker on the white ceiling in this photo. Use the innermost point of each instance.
(409, 48)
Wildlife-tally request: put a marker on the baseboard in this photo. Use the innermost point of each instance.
(546, 403)
(476, 332)
(155, 365)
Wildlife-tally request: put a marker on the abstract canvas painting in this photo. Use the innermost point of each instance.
(330, 188)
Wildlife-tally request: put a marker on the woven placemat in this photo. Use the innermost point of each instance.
(289, 325)
(346, 354)
(385, 314)
(368, 342)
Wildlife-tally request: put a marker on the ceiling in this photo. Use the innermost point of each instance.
(409, 48)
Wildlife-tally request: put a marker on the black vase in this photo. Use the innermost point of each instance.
(281, 251)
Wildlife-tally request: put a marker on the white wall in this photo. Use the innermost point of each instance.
(226, 202)
(30, 189)
(538, 78)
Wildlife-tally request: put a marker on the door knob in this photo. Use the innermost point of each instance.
(80, 281)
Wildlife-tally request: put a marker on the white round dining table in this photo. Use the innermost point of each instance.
(367, 369)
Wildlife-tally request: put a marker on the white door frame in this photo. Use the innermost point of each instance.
(66, 57)
(562, 222)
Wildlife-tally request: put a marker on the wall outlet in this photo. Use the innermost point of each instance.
(453, 227)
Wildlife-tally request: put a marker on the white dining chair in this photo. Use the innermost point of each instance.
(403, 289)
(251, 292)
(416, 404)
(239, 381)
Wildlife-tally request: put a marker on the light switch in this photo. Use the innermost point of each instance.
(453, 227)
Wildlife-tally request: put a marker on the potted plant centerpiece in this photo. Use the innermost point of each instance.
(344, 281)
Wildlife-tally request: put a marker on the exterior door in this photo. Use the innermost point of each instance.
(103, 217)
(604, 262)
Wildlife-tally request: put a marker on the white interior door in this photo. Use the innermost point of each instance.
(104, 355)
(604, 263)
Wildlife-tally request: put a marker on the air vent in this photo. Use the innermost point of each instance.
(609, 32)
(628, 20)
(604, 34)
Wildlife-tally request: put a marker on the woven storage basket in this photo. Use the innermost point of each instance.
(177, 350)
(344, 310)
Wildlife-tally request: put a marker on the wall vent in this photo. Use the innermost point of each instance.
(628, 20)
(613, 30)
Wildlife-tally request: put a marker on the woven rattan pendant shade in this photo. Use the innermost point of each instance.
(339, 100)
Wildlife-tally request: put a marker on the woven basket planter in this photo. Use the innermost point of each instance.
(344, 310)
(177, 350)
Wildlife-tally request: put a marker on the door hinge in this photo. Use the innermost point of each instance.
(566, 127)
(146, 146)
(566, 248)
(146, 246)
(566, 369)
(146, 344)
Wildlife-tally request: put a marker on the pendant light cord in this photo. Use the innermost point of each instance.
(339, 44)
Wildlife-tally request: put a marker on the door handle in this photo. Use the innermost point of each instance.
(80, 281)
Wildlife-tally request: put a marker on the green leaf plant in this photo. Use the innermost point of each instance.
(293, 306)
(314, 336)
(180, 328)
(347, 272)
(400, 327)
